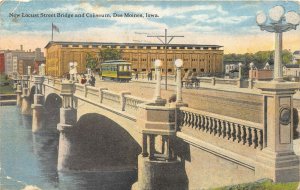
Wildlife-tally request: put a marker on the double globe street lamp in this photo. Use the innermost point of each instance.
(279, 22)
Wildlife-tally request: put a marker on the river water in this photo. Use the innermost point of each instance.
(28, 161)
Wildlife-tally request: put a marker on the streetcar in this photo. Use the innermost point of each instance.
(116, 70)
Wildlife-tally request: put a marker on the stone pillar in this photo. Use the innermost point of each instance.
(38, 105)
(26, 104)
(158, 169)
(68, 118)
(277, 160)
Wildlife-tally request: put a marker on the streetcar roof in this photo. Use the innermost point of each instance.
(116, 62)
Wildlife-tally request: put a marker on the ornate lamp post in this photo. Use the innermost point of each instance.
(279, 22)
(157, 97)
(178, 64)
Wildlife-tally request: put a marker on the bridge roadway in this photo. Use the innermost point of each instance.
(216, 99)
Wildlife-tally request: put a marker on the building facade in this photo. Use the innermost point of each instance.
(17, 61)
(199, 58)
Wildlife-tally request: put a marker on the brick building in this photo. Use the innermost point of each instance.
(199, 58)
(2, 62)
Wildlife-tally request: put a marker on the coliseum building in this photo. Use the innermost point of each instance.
(206, 59)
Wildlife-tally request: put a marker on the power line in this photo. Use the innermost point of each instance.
(167, 39)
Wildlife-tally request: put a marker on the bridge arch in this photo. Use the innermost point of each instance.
(99, 143)
(53, 103)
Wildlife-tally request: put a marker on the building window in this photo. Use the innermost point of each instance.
(202, 70)
(194, 69)
(169, 70)
(181, 47)
(143, 69)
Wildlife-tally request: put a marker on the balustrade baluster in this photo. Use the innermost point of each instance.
(212, 125)
(202, 121)
(216, 129)
(254, 137)
(238, 131)
(208, 124)
(228, 130)
(233, 131)
(221, 128)
(185, 117)
(193, 120)
(260, 137)
(248, 131)
(198, 121)
(190, 118)
(243, 134)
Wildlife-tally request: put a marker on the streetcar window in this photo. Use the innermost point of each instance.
(121, 68)
(129, 68)
(125, 67)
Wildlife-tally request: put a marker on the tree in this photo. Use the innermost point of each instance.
(110, 54)
(287, 57)
(91, 61)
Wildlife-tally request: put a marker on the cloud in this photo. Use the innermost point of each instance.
(228, 20)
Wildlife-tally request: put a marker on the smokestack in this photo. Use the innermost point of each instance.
(21, 47)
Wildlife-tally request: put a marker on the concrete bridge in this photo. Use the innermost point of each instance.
(172, 145)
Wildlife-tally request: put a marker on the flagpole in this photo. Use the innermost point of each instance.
(52, 32)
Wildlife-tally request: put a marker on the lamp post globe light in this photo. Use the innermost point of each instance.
(178, 64)
(279, 22)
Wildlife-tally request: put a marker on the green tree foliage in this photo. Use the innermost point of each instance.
(91, 61)
(259, 58)
(110, 54)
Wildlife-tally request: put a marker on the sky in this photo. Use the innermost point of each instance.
(227, 23)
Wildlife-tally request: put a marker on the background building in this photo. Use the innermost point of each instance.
(296, 57)
(17, 61)
(199, 58)
(2, 62)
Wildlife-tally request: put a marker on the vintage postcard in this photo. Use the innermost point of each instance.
(149, 95)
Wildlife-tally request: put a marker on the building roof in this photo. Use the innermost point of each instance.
(129, 44)
(296, 52)
(292, 65)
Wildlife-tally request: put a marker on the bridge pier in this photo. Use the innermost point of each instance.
(38, 105)
(158, 169)
(277, 160)
(19, 94)
(26, 104)
(68, 118)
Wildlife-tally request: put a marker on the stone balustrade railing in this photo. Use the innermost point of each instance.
(131, 103)
(236, 130)
(119, 101)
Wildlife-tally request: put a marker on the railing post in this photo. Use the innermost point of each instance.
(38, 105)
(68, 118)
(123, 99)
(277, 159)
(101, 94)
(213, 81)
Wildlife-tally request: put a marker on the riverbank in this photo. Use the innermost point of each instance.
(5, 85)
(8, 99)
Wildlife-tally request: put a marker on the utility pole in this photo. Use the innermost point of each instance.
(165, 42)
